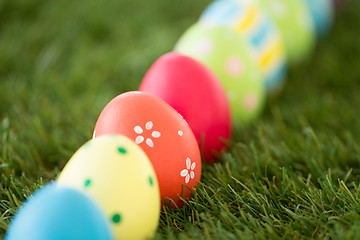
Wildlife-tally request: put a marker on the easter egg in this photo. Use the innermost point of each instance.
(195, 92)
(338, 3)
(227, 55)
(117, 173)
(322, 15)
(247, 18)
(295, 24)
(57, 213)
(164, 136)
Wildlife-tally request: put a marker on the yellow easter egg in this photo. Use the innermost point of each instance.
(119, 176)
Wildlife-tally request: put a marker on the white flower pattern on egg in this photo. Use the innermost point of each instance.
(189, 171)
(148, 126)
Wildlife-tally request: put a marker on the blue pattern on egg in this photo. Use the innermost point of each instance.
(274, 78)
(220, 13)
(260, 37)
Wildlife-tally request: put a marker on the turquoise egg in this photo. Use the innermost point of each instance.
(322, 13)
(59, 213)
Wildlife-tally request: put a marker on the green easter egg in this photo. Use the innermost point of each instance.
(294, 21)
(228, 55)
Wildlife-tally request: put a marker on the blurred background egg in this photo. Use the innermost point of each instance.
(118, 174)
(228, 55)
(338, 3)
(247, 18)
(294, 21)
(195, 92)
(322, 13)
(58, 213)
(164, 136)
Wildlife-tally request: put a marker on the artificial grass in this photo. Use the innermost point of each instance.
(291, 174)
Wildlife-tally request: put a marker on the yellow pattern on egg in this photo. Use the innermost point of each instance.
(249, 20)
(275, 52)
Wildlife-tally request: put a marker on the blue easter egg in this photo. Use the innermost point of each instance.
(322, 13)
(58, 213)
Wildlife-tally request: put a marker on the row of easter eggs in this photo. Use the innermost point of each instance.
(143, 151)
(225, 66)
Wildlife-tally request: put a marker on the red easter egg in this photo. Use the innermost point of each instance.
(196, 93)
(164, 136)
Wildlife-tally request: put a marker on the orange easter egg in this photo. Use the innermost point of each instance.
(164, 136)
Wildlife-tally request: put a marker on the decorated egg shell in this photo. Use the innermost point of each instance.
(118, 174)
(228, 55)
(195, 92)
(247, 19)
(322, 15)
(162, 133)
(295, 24)
(59, 213)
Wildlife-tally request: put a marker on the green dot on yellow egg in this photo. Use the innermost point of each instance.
(116, 218)
(122, 150)
(87, 182)
(151, 181)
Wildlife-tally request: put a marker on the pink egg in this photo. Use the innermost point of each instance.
(196, 93)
